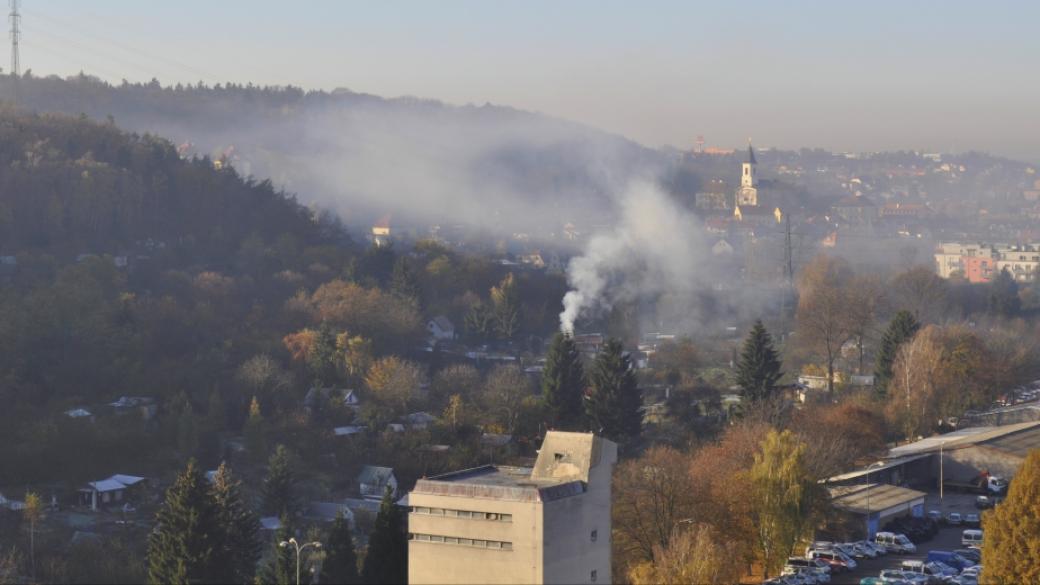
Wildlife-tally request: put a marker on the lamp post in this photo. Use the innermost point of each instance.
(941, 478)
(299, 549)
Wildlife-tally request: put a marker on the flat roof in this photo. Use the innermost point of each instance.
(960, 438)
(500, 483)
(872, 497)
(875, 467)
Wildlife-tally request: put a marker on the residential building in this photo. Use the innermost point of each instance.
(111, 490)
(497, 524)
(441, 328)
(373, 481)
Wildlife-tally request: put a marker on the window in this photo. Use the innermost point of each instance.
(593, 536)
(558, 456)
(592, 576)
(454, 540)
(493, 516)
(505, 517)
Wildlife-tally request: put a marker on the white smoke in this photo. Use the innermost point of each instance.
(657, 248)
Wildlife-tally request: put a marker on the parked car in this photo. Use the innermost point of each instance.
(950, 558)
(895, 543)
(877, 548)
(895, 576)
(971, 519)
(972, 554)
(862, 550)
(935, 515)
(807, 575)
(804, 562)
(983, 502)
(971, 537)
(935, 574)
(953, 519)
(835, 558)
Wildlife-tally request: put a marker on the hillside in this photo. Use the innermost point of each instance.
(366, 156)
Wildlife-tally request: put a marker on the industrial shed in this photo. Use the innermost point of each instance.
(872, 505)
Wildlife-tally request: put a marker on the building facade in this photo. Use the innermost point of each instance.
(497, 524)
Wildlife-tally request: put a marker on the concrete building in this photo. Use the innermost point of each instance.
(496, 524)
(873, 505)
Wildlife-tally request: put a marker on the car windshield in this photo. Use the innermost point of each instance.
(902, 539)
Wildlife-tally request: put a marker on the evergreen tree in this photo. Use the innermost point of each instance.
(340, 565)
(278, 485)
(238, 527)
(322, 357)
(404, 282)
(901, 329)
(1003, 295)
(1012, 529)
(387, 558)
(759, 367)
(254, 433)
(184, 545)
(280, 568)
(613, 406)
(563, 382)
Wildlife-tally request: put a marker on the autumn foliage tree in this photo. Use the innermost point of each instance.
(1012, 530)
(694, 554)
(824, 323)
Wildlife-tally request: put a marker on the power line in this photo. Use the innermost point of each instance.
(15, 19)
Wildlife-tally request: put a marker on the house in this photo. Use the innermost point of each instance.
(722, 248)
(316, 398)
(395, 428)
(328, 511)
(346, 431)
(351, 400)
(373, 481)
(79, 413)
(110, 490)
(145, 406)
(420, 420)
(441, 328)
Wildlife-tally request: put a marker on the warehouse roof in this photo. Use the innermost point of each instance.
(873, 497)
(966, 437)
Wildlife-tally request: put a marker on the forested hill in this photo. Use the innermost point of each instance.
(70, 186)
(367, 156)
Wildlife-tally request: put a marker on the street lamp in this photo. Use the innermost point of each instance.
(299, 549)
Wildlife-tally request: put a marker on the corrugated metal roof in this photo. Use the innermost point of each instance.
(874, 497)
(879, 466)
(960, 438)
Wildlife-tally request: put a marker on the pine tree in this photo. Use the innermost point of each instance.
(322, 357)
(404, 283)
(1012, 529)
(278, 485)
(1003, 295)
(238, 526)
(254, 433)
(614, 403)
(340, 565)
(183, 546)
(280, 568)
(387, 558)
(901, 329)
(563, 383)
(759, 367)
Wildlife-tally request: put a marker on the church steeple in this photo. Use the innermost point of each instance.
(751, 154)
(747, 194)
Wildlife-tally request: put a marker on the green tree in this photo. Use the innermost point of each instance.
(1013, 529)
(900, 330)
(280, 568)
(614, 402)
(479, 322)
(340, 564)
(563, 383)
(783, 494)
(759, 367)
(184, 542)
(505, 307)
(1003, 295)
(239, 529)
(322, 357)
(387, 558)
(254, 432)
(404, 283)
(279, 484)
(32, 512)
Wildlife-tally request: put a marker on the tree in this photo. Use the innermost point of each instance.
(507, 386)
(356, 352)
(865, 294)
(340, 564)
(387, 558)
(280, 568)
(823, 311)
(759, 367)
(253, 432)
(32, 512)
(613, 405)
(1003, 295)
(479, 322)
(461, 379)
(322, 357)
(1013, 528)
(922, 292)
(563, 383)
(699, 554)
(783, 493)
(505, 307)
(263, 376)
(238, 530)
(901, 329)
(404, 283)
(183, 545)
(279, 484)
(393, 382)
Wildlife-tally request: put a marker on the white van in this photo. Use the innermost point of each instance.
(971, 538)
(895, 543)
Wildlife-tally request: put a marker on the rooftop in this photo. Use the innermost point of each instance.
(864, 498)
(500, 483)
(963, 438)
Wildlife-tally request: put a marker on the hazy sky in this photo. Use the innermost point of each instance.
(847, 75)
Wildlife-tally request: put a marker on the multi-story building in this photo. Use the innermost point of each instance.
(497, 524)
(1022, 261)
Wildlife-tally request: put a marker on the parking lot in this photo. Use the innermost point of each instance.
(948, 538)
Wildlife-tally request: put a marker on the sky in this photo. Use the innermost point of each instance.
(851, 76)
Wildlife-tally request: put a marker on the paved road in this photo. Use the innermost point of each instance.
(948, 538)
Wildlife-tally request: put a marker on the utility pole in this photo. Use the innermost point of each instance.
(15, 19)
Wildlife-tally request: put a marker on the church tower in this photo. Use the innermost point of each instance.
(747, 194)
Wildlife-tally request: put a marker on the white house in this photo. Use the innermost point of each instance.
(373, 481)
(441, 328)
(107, 491)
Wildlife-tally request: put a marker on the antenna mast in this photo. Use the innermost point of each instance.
(15, 19)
